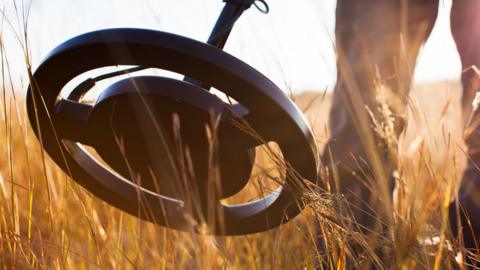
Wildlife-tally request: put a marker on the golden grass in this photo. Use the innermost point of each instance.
(47, 221)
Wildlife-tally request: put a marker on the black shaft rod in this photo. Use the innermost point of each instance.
(220, 32)
(229, 15)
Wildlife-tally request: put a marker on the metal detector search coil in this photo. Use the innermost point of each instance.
(136, 124)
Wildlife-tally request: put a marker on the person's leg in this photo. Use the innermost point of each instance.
(465, 24)
(377, 45)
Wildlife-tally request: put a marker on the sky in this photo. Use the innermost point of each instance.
(292, 45)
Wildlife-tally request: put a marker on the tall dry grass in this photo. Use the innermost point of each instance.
(47, 221)
(431, 157)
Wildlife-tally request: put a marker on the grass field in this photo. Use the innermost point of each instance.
(49, 222)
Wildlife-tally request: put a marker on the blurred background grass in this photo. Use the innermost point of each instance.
(47, 221)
